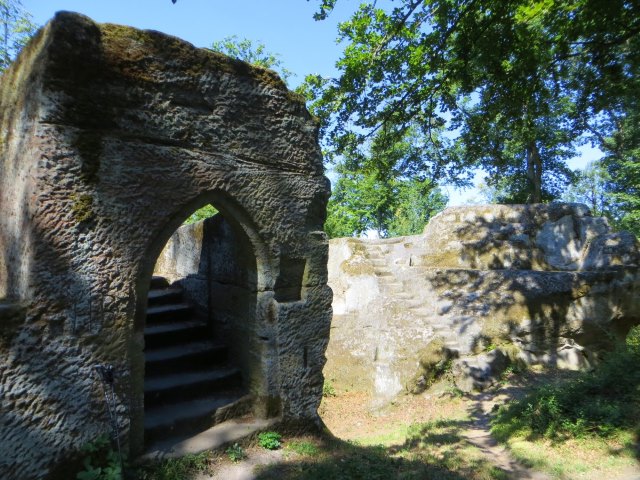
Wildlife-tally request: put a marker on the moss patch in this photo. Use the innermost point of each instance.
(498, 328)
(443, 259)
(357, 266)
(435, 360)
(82, 207)
(141, 54)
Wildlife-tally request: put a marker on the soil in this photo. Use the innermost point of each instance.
(350, 416)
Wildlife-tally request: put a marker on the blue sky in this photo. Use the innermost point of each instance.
(286, 27)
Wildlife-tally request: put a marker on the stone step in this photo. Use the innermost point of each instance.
(219, 435)
(402, 295)
(448, 333)
(443, 330)
(190, 356)
(193, 416)
(169, 313)
(383, 273)
(164, 296)
(454, 350)
(377, 262)
(174, 333)
(412, 303)
(167, 389)
(158, 282)
(395, 294)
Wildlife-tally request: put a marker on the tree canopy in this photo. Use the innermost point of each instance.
(255, 53)
(374, 193)
(592, 188)
(517, 84)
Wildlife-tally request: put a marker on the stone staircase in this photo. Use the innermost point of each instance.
(189, 385)
(394, 289)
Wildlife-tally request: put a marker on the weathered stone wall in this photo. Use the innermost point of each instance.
(543, 283)
(110, 138)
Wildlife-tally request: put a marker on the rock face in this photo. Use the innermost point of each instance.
(110, 138)
(542, 284)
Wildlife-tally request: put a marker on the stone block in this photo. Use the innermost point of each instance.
(542, 281)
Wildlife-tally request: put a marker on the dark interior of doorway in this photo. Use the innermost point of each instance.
(191, 379)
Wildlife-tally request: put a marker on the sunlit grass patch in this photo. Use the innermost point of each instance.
(573, 458)
(585, 425)
(303, 447)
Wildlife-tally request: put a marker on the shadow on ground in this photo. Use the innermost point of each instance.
(435, 450)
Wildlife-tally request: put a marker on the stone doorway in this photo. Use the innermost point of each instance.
(201, 367)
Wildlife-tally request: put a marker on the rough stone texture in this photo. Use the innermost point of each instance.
(479, 371)
(541, 283)
(110, 138)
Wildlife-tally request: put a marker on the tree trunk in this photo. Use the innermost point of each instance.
(534, 173)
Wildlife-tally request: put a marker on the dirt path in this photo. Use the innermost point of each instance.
(479, 435)
(245, 469)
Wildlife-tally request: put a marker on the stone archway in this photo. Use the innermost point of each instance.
(110, 138)
(204, 363)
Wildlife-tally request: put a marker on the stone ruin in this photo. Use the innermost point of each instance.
(482, 287)
(111, 137)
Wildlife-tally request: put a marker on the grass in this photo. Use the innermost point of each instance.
(303, 447)
(177, 468)
(573, 458)
(393, 435)
(601, 403)
(442, 442)
(587, 424)
(431, 450)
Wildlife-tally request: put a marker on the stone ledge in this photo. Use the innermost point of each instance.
(215, 437)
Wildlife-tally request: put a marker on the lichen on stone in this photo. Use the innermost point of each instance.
(82, 207)
(127, 45)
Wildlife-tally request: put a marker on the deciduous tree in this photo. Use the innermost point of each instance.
(518, 82)
(255, 53)
(388, 188)
(16, 28)
(593, 188)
